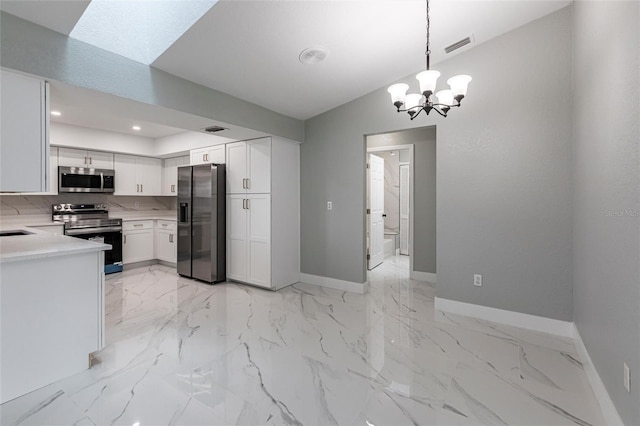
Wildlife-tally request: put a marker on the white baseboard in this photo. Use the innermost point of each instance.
(609, 411)
(423, 276)
(353, 287)
(516, 319)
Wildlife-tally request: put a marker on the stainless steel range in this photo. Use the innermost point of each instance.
(92, 222)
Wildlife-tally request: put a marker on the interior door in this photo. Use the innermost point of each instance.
(404, 209)
(376, 210)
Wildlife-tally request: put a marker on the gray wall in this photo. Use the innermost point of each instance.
(503, 175)
(606, 228)
(424, 190)
(36, 50)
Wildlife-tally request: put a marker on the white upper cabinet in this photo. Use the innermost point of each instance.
(24, 133)
(249, 167)
(211, 154)
(69, 157)
(170, 174)
(137, 175)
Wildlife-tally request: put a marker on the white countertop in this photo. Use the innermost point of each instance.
(42, 244)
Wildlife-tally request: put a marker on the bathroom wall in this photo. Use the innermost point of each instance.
(14, 205)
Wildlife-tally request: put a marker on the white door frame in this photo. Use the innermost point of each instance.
(410, 147)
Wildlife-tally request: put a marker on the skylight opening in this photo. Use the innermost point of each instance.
(138, 29)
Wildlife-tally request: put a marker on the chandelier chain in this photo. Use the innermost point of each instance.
(427, 51)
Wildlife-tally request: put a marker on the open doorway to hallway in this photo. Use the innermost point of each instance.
(401, 202)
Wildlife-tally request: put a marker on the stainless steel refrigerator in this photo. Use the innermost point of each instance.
(202, 222)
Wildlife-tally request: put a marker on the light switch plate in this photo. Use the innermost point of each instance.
(477, 280)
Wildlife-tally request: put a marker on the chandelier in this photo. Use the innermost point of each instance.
(440, 102)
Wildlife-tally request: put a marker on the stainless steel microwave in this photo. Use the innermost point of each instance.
(83, 179)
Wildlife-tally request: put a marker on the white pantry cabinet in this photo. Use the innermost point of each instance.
(166, 241)
(249, 238)
(170, 174)
(138, 175)
(70, 157)
(137, 241)
(24, 133)
(249, 166)
(211, 154)
(263, 229)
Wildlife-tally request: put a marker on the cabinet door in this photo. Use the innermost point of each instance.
(170, 174)
(236, 237)
(236, 167)
(166, 245)
(216, 154)
(259, 166)
(137, 246)
(100, 160)
(259, 239)
(52, 181)
(198, 156)
(149, 172)
(126, 176)
(69, 157)
(24, 133)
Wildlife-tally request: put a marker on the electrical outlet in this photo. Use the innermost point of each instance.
(136, 204)
(329, 205)
(477, 280)
(627, 378)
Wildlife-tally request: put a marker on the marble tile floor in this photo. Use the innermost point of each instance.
(180, 352)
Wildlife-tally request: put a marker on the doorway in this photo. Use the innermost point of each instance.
(388, 215)
(409, 231)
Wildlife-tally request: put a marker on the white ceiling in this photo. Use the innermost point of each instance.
(249, 49)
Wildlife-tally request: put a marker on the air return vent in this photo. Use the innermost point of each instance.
(214, 129)
(458, 44)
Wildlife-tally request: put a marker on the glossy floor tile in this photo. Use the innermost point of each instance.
(180, 352)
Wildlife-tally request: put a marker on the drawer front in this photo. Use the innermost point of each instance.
(169, 225)
(136, 225)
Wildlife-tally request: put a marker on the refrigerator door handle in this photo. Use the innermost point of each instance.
(184, 208)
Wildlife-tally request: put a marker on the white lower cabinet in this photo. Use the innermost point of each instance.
(166, 241)
(249, 238)
(137, 241)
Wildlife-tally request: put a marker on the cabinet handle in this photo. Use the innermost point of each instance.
(248, 183)
(141, 188)
(138, 225)
(170, 238)
(124, 239)
(173, 188)
(90, 160)
(85, 161)
(244, 204)
(247, 204)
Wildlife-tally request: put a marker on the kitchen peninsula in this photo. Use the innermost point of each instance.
(51, 307)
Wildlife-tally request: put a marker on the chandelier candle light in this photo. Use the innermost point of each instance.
(440, 102)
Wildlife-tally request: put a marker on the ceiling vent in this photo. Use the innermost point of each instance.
(458, 44)
(214, 129)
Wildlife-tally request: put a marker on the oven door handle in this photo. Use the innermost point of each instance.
(101, 182)
(97, 230)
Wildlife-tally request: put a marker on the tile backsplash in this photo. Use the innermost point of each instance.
(13, 205)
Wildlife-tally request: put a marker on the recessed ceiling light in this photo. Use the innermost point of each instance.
(136, 128)
(56, 113)
(313, 55)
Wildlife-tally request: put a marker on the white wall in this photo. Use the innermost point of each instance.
(100, 140)
(181, 143)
